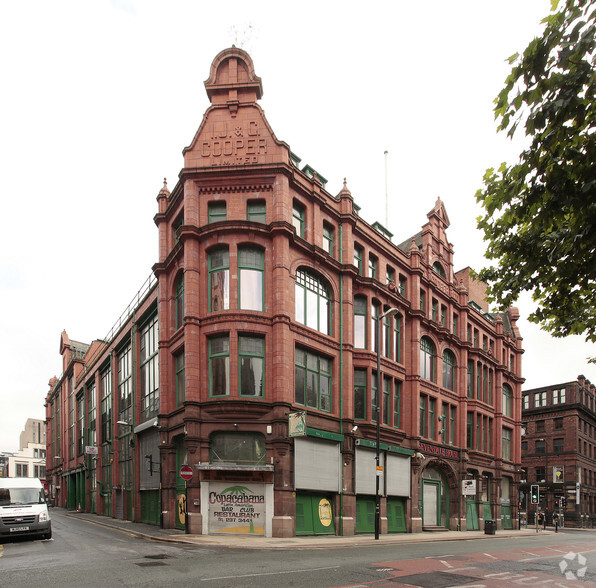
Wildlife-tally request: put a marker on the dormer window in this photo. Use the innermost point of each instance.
(438, 269)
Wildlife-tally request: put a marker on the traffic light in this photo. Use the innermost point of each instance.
(563, 501)
(535, 494)
(557, 503)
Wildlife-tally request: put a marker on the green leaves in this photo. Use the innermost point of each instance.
(540, 214)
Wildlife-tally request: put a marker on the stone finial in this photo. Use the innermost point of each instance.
(345, 191)
(164, 192)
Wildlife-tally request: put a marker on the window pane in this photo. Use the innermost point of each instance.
(359, 394)
(324, 316)
(220, 293)
(251, 376)
(219, 376)
(299, 384)
(325, 393)
(251, 290)
(300, 310)
(311, 389)
(312, 315)
(360, 331)
(312, 362)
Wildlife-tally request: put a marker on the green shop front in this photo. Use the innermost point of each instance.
(394, 474)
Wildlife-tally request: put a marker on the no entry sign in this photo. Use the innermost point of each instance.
(186, 472)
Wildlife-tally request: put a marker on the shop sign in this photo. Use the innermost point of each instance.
(468, 487)
(297, 424)
(237, 509)
(441, 451)
(91, 450)
(325, 512)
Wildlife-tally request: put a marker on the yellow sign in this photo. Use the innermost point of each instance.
(181, 507)
(325, 514)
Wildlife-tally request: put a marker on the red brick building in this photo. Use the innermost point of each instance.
(559, 451)
(270, 293)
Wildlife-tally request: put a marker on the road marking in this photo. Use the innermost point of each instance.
(446, 564)
(489, 555)
(1, 550)
(438, 556)
(268, 574)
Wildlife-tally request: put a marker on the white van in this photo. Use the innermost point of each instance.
(23, 508)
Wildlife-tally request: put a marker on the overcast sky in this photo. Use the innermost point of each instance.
(99, 98)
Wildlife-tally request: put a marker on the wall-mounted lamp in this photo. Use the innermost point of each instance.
(124, 423)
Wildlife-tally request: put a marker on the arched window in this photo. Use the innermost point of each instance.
(251, 266)
(448, 370)
(427, 359)
(179, 301)
(219, 280)
(312, 301)
(507, 400)
(438, 269)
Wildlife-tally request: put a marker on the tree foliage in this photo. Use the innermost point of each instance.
(539, 215)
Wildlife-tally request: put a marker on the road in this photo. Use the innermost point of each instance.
(82, 553)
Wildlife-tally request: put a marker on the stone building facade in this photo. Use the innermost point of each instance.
(274, 306)
(559, 451)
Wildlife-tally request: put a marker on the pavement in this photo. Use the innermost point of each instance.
(154, 533)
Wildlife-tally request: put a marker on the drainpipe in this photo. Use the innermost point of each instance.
(341, 377)
(132, 413)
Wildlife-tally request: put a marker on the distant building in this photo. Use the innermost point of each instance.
(252, 359)
(4, 455)
(30, 460)
(559, 450)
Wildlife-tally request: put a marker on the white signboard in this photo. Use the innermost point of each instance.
(468, 487)
(237, 508)
(91, 450)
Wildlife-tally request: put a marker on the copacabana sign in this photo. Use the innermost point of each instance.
(237, 508)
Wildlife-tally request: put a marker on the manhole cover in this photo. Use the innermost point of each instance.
(435, 580)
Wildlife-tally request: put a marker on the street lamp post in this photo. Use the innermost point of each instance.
(388, 313)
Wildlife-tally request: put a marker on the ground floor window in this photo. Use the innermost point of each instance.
(238, 448)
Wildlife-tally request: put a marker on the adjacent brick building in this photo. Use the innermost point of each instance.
(254, 359)
(559, 450)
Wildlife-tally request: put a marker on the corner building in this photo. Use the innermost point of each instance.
(559, 452)
(270, 295)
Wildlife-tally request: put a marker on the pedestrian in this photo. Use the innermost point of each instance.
(544, 518)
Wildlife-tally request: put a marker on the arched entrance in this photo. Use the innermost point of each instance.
(434, 495)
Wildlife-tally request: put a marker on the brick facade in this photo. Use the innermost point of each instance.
(267, 297)
(559, 450)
